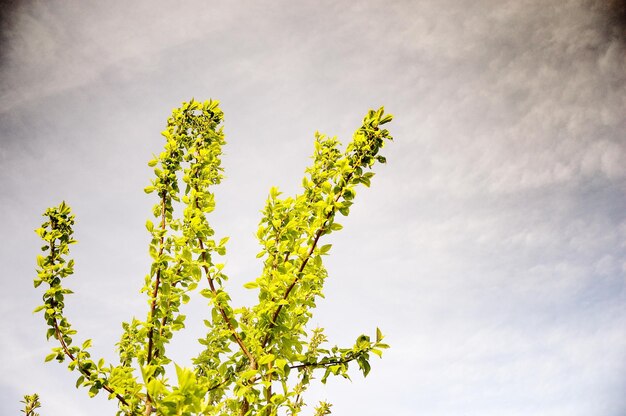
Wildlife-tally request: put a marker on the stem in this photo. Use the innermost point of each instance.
(155, 293)
(297, 399)
(220, 308)
(218, 385)
(84, 371)
(157, 282)
(58, 335)
(245, 406)
(164, 319)
(222, 311)
(268, 389)
(318, 234)
(327, 363)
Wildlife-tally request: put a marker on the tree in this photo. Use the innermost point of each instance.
(256, 360)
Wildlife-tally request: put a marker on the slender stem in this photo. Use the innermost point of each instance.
(268, 389)
(245, 406)
(220, 308)
(222, 311)
(318, 234)
(157, 282)
(59, 336)
(84, 371)
(298, 397)
(325, 364)
(268, 377)
(218, 385)
(164, 319)
(155, 293)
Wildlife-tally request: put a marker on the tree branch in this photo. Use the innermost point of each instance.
(84, 371)
(323, 364)
(157, 282)
(59, 336)
(318, 234)
(155, 293)
(222, 312)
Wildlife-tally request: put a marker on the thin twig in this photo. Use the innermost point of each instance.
(57, 333)
(222, 312)
(84, 371)
(157, 282)
(155, 293)
(318, 234)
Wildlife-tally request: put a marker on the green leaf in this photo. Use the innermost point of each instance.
(335, 226)
(248, 374)
(196, 273)
(251, 285)
(365, 366)
(280, 363)
(267, 359)
(386, 119)
(93, 391)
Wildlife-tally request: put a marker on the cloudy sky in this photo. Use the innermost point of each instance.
(491, 249)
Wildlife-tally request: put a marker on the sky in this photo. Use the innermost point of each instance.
(490, 249)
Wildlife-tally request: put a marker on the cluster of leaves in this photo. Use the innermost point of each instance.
(255, 360)
(31, 403)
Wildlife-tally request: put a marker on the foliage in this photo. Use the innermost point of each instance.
(255, 360)
(31, 403)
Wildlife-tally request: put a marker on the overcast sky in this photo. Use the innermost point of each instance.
(491, 249)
